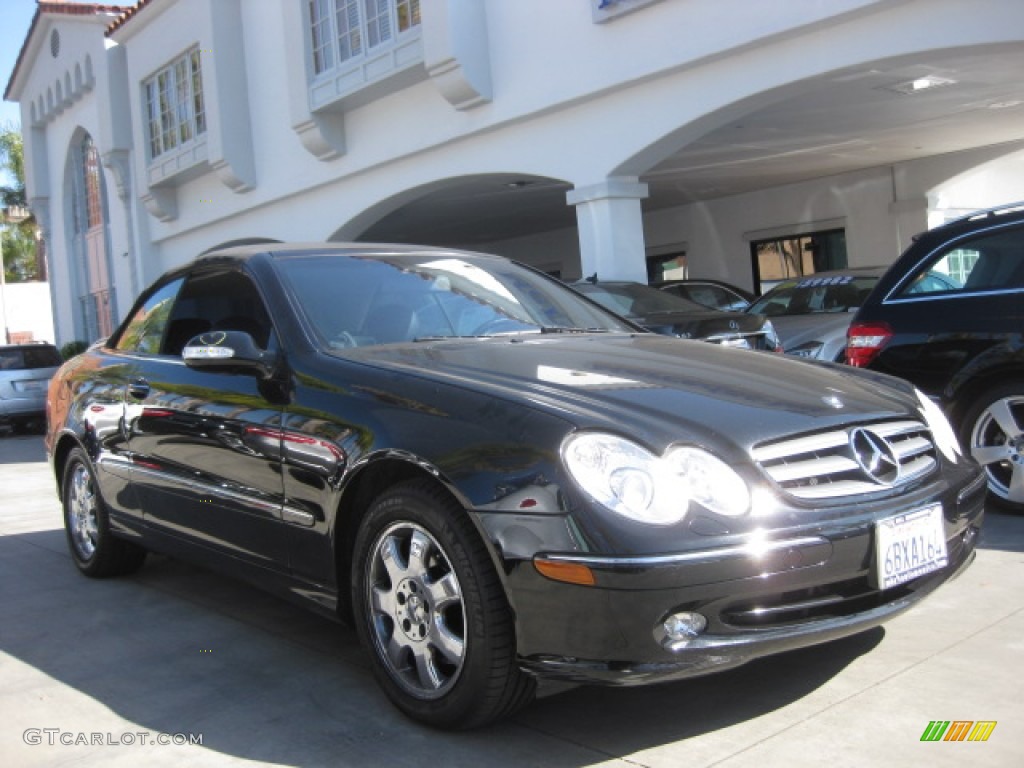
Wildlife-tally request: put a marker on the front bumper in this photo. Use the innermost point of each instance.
(784, 594)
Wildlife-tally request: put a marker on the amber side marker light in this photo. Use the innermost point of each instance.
(570, 573)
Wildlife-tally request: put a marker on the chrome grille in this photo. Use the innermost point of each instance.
(855, 460)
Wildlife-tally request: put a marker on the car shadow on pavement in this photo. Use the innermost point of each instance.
(178, 649)
(1002, 529)
(17, 449)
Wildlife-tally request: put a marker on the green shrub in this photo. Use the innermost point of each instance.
(72, 348)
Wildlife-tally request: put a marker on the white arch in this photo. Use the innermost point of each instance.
(981, 182)
(734, 99)
(361, 221)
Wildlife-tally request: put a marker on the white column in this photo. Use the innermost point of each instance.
(611, 229)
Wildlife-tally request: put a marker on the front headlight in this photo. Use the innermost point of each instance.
(942, 431)
(656, 490)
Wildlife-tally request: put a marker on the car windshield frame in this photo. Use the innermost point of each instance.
(445, 295)
(815, 295)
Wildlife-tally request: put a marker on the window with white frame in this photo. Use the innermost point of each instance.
(344, 30)
(175, 114)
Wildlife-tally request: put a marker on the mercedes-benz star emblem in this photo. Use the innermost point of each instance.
(875, 456)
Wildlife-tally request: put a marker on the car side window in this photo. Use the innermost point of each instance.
(145, 331)
(992, 262)
(220, 300)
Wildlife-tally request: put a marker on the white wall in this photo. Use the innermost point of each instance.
(81, 42)
(28, 309)
(581, 101)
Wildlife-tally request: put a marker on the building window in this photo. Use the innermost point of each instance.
(343, 30)
(780, 258)
(91, 176)
(175, 113)
(667, 266)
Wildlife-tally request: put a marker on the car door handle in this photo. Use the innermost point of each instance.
(139, 389)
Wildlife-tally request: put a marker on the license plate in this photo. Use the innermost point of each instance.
(31, 385)
(908, 546)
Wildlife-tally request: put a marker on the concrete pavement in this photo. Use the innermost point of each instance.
(99, 672)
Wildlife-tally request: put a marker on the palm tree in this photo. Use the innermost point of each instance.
(17, 225)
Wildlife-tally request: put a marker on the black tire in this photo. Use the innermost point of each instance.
(432, 612)
(992, 431)
(94, 549)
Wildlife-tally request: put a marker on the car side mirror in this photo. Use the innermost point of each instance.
(229, 352)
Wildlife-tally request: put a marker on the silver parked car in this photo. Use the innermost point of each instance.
(25, 373)
(811, 313)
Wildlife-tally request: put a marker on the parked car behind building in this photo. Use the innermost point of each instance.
(711, 293)
(949, 317)
(25, 371)
(811, 313)
(672, 315)
(496, 479)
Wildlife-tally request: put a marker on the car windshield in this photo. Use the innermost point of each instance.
(27, 358)
(813, 294)
(636, 299)
(363, 300)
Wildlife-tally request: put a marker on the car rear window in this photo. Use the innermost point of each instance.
(993, 262)
(24, 358)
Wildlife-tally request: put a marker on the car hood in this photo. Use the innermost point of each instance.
(658, 389)
(700, 325)
(795, 330)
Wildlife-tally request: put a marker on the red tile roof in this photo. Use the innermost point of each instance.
(128, 14)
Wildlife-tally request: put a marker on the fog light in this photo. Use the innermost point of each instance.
(678, 629)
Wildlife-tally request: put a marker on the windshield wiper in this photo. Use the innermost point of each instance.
(566, 329)
(448, 337)
(525, 331)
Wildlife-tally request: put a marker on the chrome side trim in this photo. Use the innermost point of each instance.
(975, 486)
(752, 549)
(297, 516)
(281, 511)
(916, 299)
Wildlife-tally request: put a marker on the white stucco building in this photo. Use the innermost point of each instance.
(581, 136)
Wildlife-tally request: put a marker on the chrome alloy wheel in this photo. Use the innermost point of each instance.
(82, 513)
(417, 614)
(997, 443)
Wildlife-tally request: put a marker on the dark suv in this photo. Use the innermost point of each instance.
(949, 317)
(25, 372)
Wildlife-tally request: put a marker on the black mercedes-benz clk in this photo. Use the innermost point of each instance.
(494, 478)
